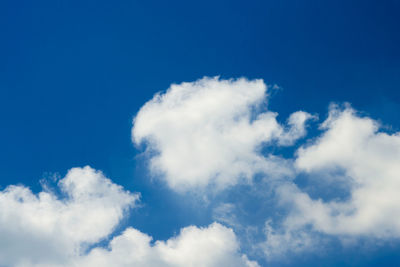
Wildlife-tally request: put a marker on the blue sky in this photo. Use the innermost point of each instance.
(74, 74)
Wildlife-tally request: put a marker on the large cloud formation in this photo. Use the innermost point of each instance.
(39, 230)
(365, 162)
(45, 229)
(210, 134)
(210, 131)
(369, 161)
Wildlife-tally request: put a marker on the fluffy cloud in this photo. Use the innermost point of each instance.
(369, 163)
(210, 132)
(43, 230)
(215, 245)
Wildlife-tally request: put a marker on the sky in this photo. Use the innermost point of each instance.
(187, 133)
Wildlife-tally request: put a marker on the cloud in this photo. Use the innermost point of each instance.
(47, 229)
(369, 160)
(210, 135)
(296, 127)
(285, 239)
(210, 132)
(39, 230)
(214, 245)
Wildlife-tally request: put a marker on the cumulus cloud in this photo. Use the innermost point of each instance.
(210, 132)
(43, 230)
(370, 161)
(214, 245)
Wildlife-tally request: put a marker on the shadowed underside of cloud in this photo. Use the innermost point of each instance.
(208, 135)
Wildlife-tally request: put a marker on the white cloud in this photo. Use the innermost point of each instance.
(209, 134)
(286, 239)
(214, 245)
(45, 229)
(370, 160)
(296, 129)
(210, 131)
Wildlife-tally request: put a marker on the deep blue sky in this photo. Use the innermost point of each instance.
(74, 73)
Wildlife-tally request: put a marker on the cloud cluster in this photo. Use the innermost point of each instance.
(211, 131)
(353, 152)
(212, 246)
(39, 230)
(369, 160)
(46, 229)
(210, 135)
